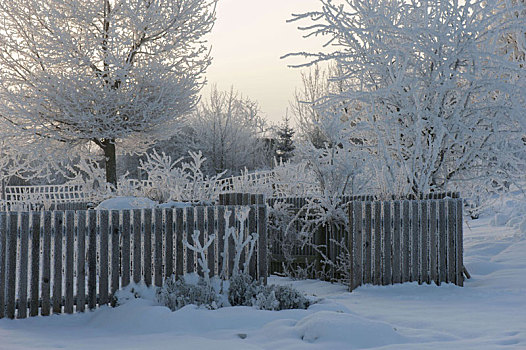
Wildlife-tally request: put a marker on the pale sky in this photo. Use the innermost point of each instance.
(248, 39)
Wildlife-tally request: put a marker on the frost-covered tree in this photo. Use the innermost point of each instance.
(436, 103)
(108, 71)
(228, 129)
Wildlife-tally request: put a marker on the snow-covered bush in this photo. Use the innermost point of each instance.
(242, 290)
(245, 291)
(135, 291)
(177, 293)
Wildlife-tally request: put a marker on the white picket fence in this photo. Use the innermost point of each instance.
(270, 183)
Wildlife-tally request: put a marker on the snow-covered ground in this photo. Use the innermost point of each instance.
(488, 313)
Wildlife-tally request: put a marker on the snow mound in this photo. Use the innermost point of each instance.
(344, 328)
(127, 203)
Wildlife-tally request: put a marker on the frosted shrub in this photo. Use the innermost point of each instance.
(177, 293)
(245, 291)
(242, 290)
(287, 297)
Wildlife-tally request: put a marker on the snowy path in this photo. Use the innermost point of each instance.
(488, 313)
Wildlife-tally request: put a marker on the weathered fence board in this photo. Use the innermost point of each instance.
(12, 231)
(423, 275)
(3, 242)
(35, 264)
(92, 259)
(115, 254)
(58, 236)
(377, 271)
(103, 257)
(415, 241)
(406, 247)
(387, 277)
(158, 251)
(69, 268)
(23, 270)
(397, 240)
(46, 265)
(81, 261)
(44, 255)
(147, 242)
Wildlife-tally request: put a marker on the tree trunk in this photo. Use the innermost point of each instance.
(110, 161)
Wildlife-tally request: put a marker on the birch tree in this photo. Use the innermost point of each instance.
(439, 104)
(111, 72)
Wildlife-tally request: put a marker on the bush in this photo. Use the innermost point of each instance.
(244, 291)
(176, 294)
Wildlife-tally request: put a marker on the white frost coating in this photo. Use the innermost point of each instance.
(433, 91)
(202, 250)
(115, 71)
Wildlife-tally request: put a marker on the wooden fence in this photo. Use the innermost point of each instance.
(54, 262)
(406, 241)
(402, 239)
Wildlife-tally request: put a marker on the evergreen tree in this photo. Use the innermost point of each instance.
(285, 144)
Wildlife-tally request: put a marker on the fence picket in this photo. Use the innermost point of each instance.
(115, 254)
(58, 236)
(92, 259)
(126, 248)
(168, 215)
(69, 267)
(459, 243)
(200, 220)
(12, 233)
(3, 243)
(230, 242)
(433, 249)
(211, 256)
(406, 246)
(221, 258)
(35, 264)
(103, 257)
(46, 264)
(377, 271)
(23, 260)
(179, 235)
(262, 243)
(387, 277)
(415, 241)
(158, 256)
(137, 236)
(252, 228)
(397, 252)
(423, 275)
(451, 228)
(147, 245)
(367, 274)
(81, 261)
(358, 244)
(442, 242)
(190, 226)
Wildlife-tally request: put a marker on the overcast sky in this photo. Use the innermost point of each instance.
(248, 39)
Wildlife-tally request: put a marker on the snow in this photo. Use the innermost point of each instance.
(127, 203)
(488, 313)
